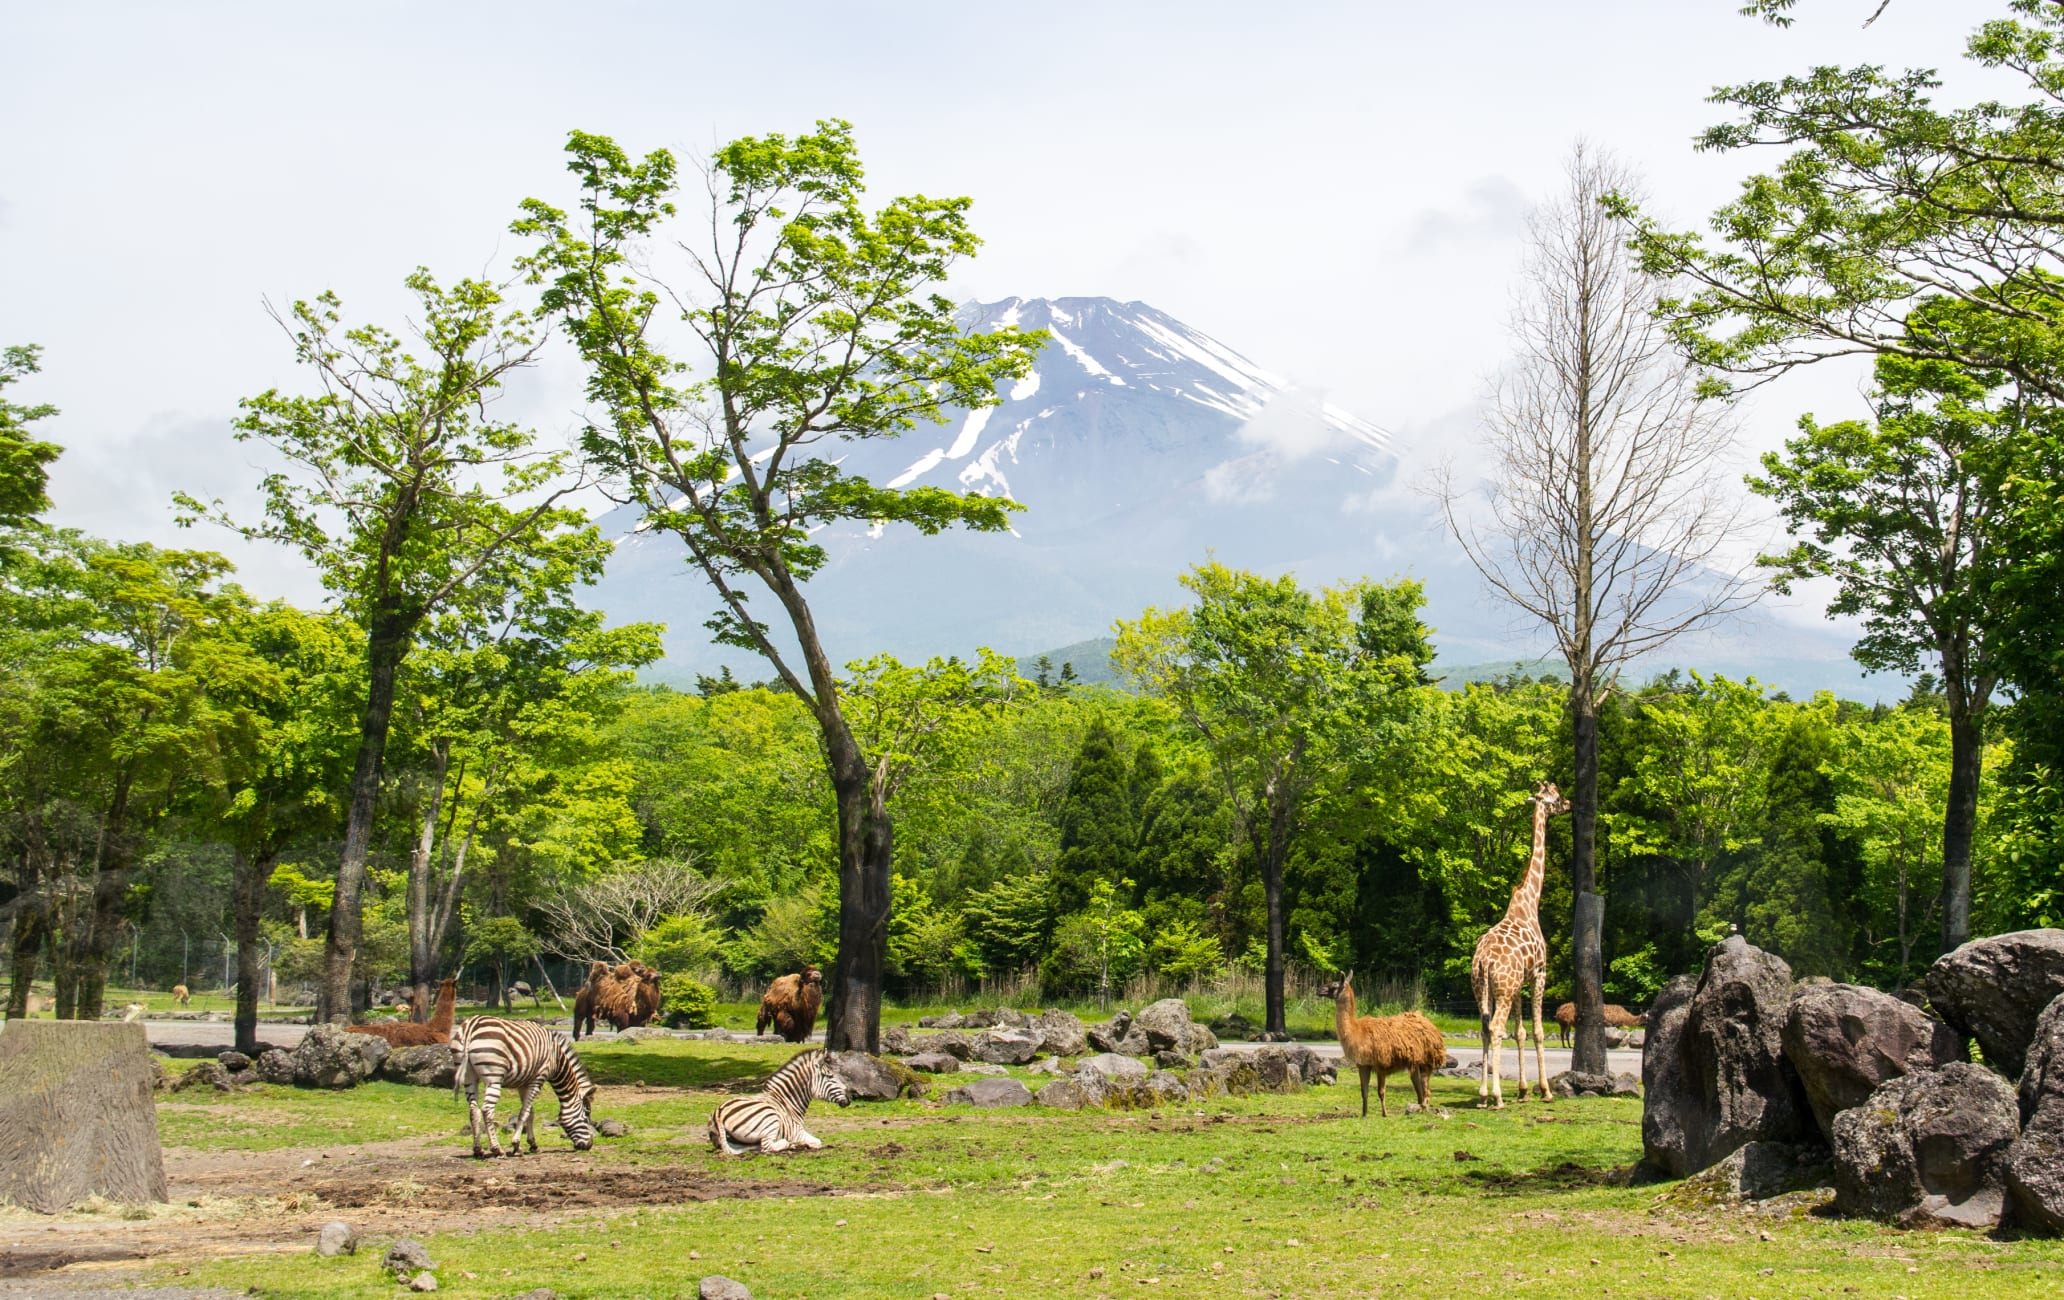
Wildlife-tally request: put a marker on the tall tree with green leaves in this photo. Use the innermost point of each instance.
(1099, 824)
(24, 461)
(816, 321)
(1284, 687)
(1903, 514)
(410, 500)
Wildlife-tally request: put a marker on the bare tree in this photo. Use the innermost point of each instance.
(604, 917)
(1601, 511)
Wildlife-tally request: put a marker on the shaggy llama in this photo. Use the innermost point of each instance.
(1381, 1045)
(404, 1033)
(791, 1004)
(1616, 1016)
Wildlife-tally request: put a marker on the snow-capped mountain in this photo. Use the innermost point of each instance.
(1138, 447)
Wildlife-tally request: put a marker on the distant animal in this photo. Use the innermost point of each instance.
(610, 995)
(645, 997)
(521, 990)
(404, 1033)
(495, 1052)
(772, 1119)
(791, 1003)
(180, 995)
(1615, 1015)
(132, 1013)
(1511, 955)
(1379, 1045)
(36, 1004)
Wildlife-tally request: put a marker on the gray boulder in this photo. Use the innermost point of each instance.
(1626, 1084)
(951, 1020)
(1170, 1059)
(275, 1065)
(1120, 1036)
(1233, 1078)
(1111, 1065)
(1759, 1171)
(1571, 1084)
(233, 1061)
(896, 1040)
(1064, 1094)
(1713, 1070)
(1168, 1028)
(1928, 1149)
(933, 1062)
(336, 1238)
(432, 1065)
(612, 1128)
(867, 1078)
(983, 1067)
(955, 1042)
(1161, 1088)
(204, 1074)
(718, 1287)
(990, 1092)
(1051, 1065)
(327, 1057)
(1007, 1046)
(1995, 989)
(641, 1034)
(1060, 1034)
(1282, 1068)
(407, 1255)
(1845, 1040)
(2035, 1163)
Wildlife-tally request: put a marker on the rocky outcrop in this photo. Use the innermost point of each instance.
(1571, 1084)
(1281, 1067)
(1060, 1034)
(1121, 1035)
(1845, 1041)
(2035, 1163)
(1928, 1149)
(1111, 1065)
(204, 1074)
(1995, 989)
(933, 1063)
(1168, 1028)
(1006, 1046)
(430, 1066)
(990, 1093)
(327, 1057)
(1713, 1070)
(275, 1065)
(870, 1078)
(1759, 1171)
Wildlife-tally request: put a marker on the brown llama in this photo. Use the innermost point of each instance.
(791, 1004)
(609, 995)
(180, 995)
(1380, 1045)
(1616, 1016)
(404, 1033)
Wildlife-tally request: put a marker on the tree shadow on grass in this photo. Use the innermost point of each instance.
(1564, 1177)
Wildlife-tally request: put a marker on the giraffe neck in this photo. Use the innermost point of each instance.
(1526, 899)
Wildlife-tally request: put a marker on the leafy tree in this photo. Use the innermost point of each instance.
(410, 501)
(1282, 686)
(1904, 515)
(24, 461)
(1099, 833)
(820, 323)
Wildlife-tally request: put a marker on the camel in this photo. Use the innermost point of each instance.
(791, 1004)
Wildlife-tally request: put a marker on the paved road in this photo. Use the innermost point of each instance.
(222, 1034)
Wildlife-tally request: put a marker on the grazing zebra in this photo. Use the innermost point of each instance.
(492, 1052)
(772, 1118)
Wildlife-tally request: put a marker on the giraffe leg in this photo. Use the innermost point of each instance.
(1519, 1037)
(1495, 1050)
(1540, 1060)
(1483, 1073)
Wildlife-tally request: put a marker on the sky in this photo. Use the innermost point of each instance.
(1336, 190)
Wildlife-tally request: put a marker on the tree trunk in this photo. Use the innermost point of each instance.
(1276, 849)
(1960, 821)
(866, 847)
(421, 923)
(1588, 912)
(385, 650)
(252, 871)
(31, 934)
(76, 1117)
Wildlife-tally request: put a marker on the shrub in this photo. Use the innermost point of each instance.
(687, 1003)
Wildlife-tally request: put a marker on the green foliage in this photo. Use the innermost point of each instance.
(687, 1003)
(1099, 832)
(1094, 951)
(502, 939)
(24, 461)
(1011, 920)
(1181, 951)
(680, 945)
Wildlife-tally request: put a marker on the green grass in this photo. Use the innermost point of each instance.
(1290, 1196)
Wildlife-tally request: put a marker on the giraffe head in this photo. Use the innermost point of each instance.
(1551, 799)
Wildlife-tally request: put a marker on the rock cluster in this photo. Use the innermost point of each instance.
(1756, 1086)
(327, 1057)
(432, 1065)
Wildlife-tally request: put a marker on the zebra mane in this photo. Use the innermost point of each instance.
(800, 1066)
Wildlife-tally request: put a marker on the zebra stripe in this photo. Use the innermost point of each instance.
(494, 1052)
(772, 1118)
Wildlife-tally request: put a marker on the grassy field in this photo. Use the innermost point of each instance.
(1267, 1196)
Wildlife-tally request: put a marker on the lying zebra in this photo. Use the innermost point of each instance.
(493, 1052)
(772, 1118)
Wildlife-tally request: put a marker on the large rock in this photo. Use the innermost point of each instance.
(1007, 1046)
(870, 1078)
(429, 1065)
(955, 1042)
(896, 1040)
(997, 1018)
(275, 1065)
(1161, 1088)
(1060, 1034)
(336, 1238)
(1168, 1028)
(1759, 1171)
(1111, 1065)
(204, 1074)
(1572, 1084)
(1995, 989)
(327, 1057)
(2035, 1163)
(1280, 1067)
(933, 1063)
(407, 1255)
(1928, 1149)
(1845, 1040)
(1065, 1094)
(1233, 1078)
(1121, 1035)
(990, 1092)
(1713, 1071)
(951, 1020)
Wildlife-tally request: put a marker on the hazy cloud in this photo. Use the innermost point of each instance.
(1492, 208)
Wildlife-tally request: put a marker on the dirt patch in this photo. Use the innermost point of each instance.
(1564, 1177)
(538, 1186)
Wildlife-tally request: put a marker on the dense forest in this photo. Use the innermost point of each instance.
(452, 763)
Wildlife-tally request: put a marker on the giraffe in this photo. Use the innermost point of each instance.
(1511, 955)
